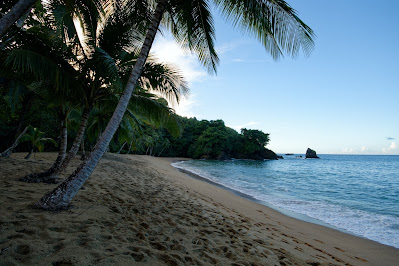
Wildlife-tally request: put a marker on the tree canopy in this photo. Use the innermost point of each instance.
(203, 139)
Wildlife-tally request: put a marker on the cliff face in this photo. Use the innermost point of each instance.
(311, 154)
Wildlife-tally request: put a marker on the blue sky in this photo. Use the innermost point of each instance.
(343, 99)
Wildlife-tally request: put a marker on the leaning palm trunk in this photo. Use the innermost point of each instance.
(27, 157)
(44, 177)
(63, 159)
(82, 148)
(73, 150)
(124, 143)
(61, 196)
(130, 146)
(7, 153)
(14, 14)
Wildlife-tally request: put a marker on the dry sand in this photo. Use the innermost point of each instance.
(140, 210)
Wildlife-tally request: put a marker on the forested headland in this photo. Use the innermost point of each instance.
(203, 139)
(200, 139)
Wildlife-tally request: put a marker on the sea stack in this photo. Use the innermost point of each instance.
(311, 154)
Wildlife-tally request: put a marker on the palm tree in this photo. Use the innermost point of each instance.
(145, 109)
(274, 23)
(50, 77)
(35, 137)
(100, 68)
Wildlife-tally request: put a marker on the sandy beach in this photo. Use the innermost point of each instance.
(139, 210)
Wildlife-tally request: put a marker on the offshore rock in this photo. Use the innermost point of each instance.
(311, 154)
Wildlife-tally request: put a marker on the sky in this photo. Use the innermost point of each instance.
(342, 99)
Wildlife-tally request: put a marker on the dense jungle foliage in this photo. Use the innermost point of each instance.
(198, 138)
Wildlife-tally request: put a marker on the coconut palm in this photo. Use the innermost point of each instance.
(274, 23)
(98, 67)
(49, 76)
(35, 137)
(30, 62)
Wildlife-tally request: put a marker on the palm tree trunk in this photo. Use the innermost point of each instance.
(27, 157)
(51, 175)
(159, 154)
(130, 146)
(124, 143)
(78, 139)
(61, 196)
(8, 152)
(82, 146)
(45, 175)
(61, 163)
(55, 171)
(14, 14)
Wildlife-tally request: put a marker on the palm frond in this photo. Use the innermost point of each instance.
(42, 68)
(164, 80)
(273, 22)
(129, 22)
(154, 111)
(15, 92)
(191, 24)
(105, 65)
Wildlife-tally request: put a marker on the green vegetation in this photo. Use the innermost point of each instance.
(205, 140)
(200, 139)
(36, 140)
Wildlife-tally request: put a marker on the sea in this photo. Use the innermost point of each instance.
(357, 194)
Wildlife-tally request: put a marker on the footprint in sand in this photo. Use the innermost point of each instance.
(23, 249)
(339, 249)
(361, 259)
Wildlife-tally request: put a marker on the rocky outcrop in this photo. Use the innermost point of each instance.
(264, 154)
(311, 154)
(270, 155)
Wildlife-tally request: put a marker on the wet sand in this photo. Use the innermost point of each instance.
(139, 210)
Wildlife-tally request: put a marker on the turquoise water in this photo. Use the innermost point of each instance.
(355, 193)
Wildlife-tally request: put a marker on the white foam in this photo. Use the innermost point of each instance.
(377, 227)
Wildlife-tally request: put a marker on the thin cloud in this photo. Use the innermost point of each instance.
(168, 51)
(224, 48)
(390, 138)
(185, 106)
(348, 150)
(364, 149)
(392, 148)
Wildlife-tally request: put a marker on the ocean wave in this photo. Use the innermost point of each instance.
(379, 227)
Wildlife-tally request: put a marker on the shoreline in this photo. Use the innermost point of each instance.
(374, 253)
(298, 216)
(140, 210)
